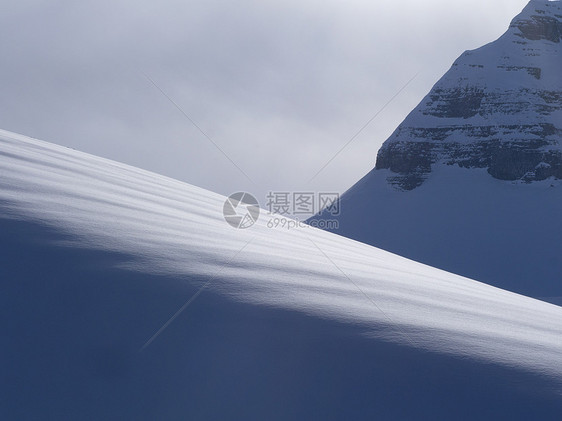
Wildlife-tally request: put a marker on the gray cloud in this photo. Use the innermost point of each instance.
(280, 86)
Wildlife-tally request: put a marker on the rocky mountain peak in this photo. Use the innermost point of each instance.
(499, 107)
(541, 19)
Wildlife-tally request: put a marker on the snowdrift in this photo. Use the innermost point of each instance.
(126, 295)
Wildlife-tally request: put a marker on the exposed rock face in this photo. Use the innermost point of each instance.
(499, 107)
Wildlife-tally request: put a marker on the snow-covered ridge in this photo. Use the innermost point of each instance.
(499, 107)
(175, 228)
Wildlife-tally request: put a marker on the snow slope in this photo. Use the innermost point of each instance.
(466, 222)
(290, 324)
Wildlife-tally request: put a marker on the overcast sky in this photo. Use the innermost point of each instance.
(279, 86)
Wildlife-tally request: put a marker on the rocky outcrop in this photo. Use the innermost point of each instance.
(499, 107)
(539, 25)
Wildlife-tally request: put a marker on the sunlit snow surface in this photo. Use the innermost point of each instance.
(172, 230)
